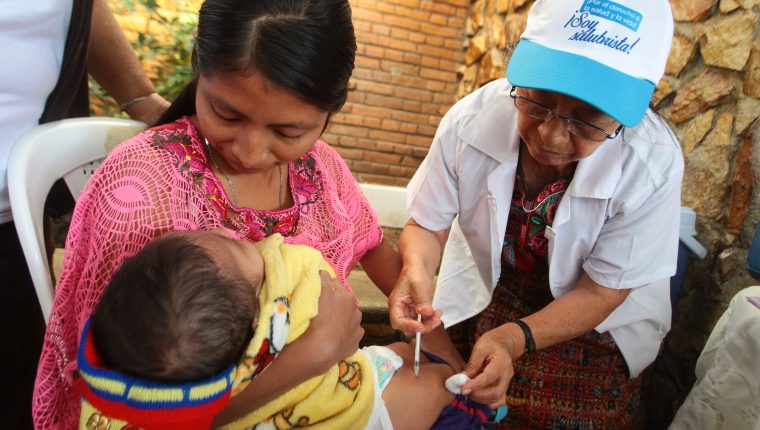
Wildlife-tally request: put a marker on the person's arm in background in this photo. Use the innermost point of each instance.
(113, 64)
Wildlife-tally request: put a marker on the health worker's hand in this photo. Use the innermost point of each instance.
(413, 294)
(335, 332)
(490, 368)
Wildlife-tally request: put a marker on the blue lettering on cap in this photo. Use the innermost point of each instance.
(613, 12)
(586, 19)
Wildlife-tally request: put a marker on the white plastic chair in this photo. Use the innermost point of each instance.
(70, 149)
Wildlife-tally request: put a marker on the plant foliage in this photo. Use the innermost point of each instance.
(161, 33)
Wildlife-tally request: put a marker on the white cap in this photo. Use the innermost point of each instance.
(608, 54)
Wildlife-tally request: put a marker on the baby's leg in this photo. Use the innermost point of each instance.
(415, 403)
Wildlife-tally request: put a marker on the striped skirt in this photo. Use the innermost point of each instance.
(579, 384)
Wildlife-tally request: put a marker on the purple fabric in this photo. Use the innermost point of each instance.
(462, 413)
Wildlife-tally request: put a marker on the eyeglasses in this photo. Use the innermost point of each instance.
(575, 126)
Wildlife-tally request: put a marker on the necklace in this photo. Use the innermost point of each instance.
(538, 203)
(229, 180)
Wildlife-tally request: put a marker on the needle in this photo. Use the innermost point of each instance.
(418, 340)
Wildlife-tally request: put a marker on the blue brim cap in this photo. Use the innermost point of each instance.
(623, 97)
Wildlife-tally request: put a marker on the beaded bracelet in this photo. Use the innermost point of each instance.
(137, 99)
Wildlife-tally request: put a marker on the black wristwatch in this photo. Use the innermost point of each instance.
(530, 344)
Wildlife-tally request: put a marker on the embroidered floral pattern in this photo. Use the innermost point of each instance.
(304, 182)
(524, 242)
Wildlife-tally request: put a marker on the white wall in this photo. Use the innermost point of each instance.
(389, 202)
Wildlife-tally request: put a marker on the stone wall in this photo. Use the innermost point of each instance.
(404, 81)
(711, 98)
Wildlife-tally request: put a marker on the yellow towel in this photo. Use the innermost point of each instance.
(343, 397)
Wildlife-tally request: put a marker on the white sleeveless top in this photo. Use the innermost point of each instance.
(32, 38)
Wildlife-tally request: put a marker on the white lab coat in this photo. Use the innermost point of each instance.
(618, 221)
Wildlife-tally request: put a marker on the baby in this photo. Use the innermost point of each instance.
(163, 348)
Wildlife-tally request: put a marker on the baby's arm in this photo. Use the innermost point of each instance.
(416, 402)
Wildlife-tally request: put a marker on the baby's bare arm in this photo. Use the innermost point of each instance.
(415, 403)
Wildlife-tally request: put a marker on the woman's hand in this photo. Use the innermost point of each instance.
(413, 294)
(335, 332)
(490, 365)
(332, 335)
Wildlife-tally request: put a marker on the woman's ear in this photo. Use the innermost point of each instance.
(327, 122)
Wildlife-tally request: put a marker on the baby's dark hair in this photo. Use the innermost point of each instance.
(170, 314)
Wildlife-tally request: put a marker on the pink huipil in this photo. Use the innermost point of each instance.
(160, 181)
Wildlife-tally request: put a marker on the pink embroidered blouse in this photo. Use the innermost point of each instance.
(160, 181)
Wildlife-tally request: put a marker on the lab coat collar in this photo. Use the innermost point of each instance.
(596, 177)
(598, 174)
(493, 130)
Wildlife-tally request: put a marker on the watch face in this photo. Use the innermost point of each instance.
(753, 257)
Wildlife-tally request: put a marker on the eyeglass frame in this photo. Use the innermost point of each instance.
(550, 114)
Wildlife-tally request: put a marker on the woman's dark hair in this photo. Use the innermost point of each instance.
(169, 314)
(305, 46)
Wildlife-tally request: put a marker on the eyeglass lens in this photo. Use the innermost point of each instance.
(575, 126)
